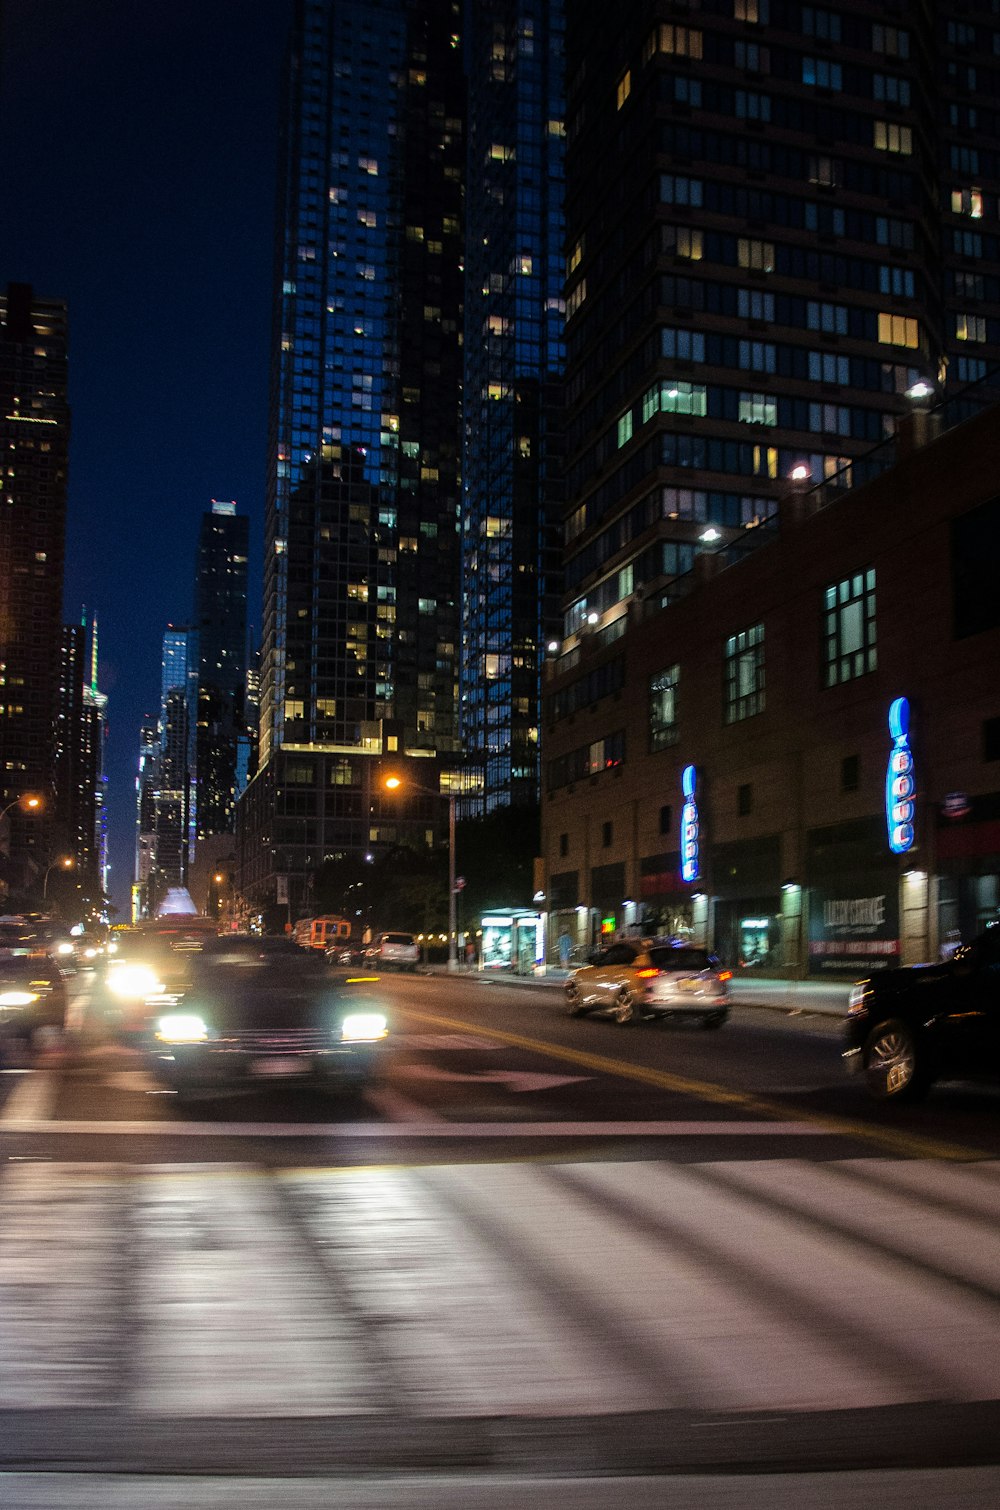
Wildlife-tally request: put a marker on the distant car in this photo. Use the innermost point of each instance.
(32, 1004)
(263, 1010)
(630, 981)
(907, 1028)
(136, 975)
(394, 951)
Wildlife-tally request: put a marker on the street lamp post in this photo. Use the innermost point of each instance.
(393, 783)
(65, 863)
(29, 804)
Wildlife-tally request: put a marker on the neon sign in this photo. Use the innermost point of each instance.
(899, 783)
(689, 825)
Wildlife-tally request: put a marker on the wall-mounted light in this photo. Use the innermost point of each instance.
(800, 473)
(790, 885)
(920, 391)
(593, 618)
(552, 646)
(710, 534)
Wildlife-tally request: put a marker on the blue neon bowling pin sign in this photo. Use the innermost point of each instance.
(689, 825)
(900, 784)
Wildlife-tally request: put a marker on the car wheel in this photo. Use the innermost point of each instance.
(893, 1064)
(713, 1020)
(626, 1009)
(574, 999)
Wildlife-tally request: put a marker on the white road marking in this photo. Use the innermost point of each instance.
(423, 1129)
(437, 1041)
(514, 1080)
(396, 1108)
(31, 1100)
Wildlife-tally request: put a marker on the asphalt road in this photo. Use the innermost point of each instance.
(538, 1246)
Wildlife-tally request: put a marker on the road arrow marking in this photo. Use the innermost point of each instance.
(514, 1080)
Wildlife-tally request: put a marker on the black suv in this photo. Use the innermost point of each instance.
(908, 1028)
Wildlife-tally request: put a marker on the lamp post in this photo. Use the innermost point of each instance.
(392, 784)
(29, 804)
(66, 862)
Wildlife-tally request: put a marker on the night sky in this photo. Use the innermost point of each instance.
(138, 140)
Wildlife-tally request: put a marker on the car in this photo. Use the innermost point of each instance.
(907, 1028)
(143, 967)
(394, 951)
(32, 1005)
(262, 1010)
(634, 979)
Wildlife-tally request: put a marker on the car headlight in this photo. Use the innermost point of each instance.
(182, 1027)
(360, 1027)
(18, 998)
(64, 949)
(137, 981)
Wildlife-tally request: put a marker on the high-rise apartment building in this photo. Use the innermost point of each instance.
(220, 616)
(175, 797)
(34, 442)
(514, 315)
(360, 636)
(80, 810)
(779, 222)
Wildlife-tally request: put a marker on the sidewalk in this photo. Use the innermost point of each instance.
(825, 996)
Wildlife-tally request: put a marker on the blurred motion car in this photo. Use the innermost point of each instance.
(144, 966)
(32, 1005)
(633, 980)
(394, 951)
(259, 1009)
(909, 1027)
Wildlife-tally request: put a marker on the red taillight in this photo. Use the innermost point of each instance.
(725, 975)
(647, 974)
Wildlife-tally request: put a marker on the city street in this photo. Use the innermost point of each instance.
(538, 1245)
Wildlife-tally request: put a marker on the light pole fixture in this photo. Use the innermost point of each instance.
(65, 862)
(393, 784)
(27, 802)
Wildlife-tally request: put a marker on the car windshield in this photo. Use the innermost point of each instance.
(681, 959)
(398, 938)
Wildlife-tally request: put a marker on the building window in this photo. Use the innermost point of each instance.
(688, 243)
(824, 24)
(624, 428)
(744, 800)
(886, 86)
(830, 318)
(849, 628)
(899, 330)
(683, 398)
(967, 202)
(758, 255)
(891, 41)
(757, 11)
(624, 87)
(563, 845)
(849, 773)
(824, 171)
(822, 73)
(682, 345)
(754, 304)
(663, 730)
(745, 674)
(677, 190)
(758, 409)
(666, 818)
(970, 327)
(887, 136)
(607, 834)
(678, 41)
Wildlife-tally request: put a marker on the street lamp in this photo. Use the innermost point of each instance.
(27, 803)
(65, 862)
(392, 784)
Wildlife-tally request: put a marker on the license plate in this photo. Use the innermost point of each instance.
(285, 1064)
(688, 985)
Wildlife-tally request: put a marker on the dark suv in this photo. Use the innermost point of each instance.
(908, 1028)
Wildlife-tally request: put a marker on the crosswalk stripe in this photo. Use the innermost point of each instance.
(32, 1099)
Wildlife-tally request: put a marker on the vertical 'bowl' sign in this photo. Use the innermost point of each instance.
(900, 786)
(689, 825)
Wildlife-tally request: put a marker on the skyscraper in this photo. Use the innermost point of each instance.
(777, 220)
(220, 616)
(34, 437)
(175, 797)
(81, 731)
(514, 315)
(361, 617)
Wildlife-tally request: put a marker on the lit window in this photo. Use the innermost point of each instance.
(744, 657)
(575, 298)
(624, 87)
(751, 10)
(849, 628)
(663, 730)
(898, 330)
(970, 327)
(624, 428)
(683, 398)
(887, 136)
(758, 409)
(967, 202)
(575, 258)
(677, 41)
(758, 255)
(688, 243)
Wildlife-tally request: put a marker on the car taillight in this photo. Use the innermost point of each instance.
(648, 974)
(725, 975)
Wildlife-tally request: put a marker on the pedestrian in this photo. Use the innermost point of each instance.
(470, 955)
(565, 947)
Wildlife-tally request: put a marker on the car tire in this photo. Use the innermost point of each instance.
(893, 1063)
(626, 1008)
(574, 1000)
(713, 1020)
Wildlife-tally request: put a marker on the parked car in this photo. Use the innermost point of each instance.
(631, 981)
(394, 951)
(261, 1009)
(907, 1028)
(32, 1004)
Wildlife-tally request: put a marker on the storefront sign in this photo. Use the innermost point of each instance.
(854, 931)
(689, 825)
(956, 805)
(900, 785)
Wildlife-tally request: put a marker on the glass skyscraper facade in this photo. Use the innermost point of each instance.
(220, 615)
(514, 314)
(360, 634)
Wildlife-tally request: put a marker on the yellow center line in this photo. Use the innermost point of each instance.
(910, 1144)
